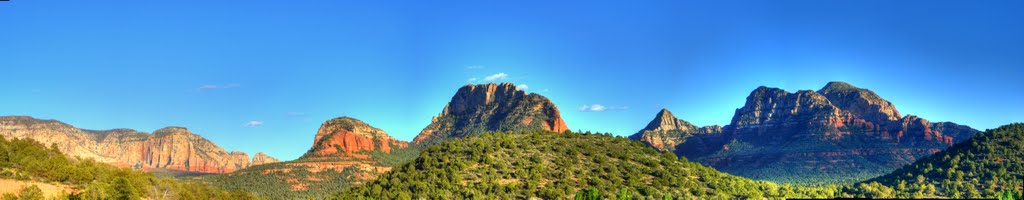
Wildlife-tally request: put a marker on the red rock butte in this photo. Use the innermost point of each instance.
(350, 137)
(492, 107)
(341, 144)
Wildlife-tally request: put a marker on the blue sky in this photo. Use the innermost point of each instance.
(216, 67)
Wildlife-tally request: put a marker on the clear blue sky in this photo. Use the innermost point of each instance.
(215, 66)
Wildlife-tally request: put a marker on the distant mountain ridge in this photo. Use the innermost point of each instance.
(838, 133)
(167, 148)
(666, 131)
(261, 158)
(492, 107)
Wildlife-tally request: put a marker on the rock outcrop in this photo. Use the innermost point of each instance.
(492, 107)
(345, 151)
(838, 133)
(837, 112)
(168, 148)
(349, 137)
(261, 158)
(666, 132)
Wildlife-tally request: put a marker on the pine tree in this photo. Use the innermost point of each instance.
(122, 190)
(624, 194)
(593, 194)
(30, 193)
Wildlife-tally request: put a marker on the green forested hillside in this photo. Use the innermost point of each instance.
(290, 180)
(556, 166)
(278, 184)
(987, 165)
(24, 159)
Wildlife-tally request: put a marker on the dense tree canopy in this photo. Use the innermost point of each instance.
(557, 166)
(989, 164)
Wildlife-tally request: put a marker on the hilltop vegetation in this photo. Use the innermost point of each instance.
(991, 164)
(25, 159)
(289, 180)
(278, 184)
(346, 152)
(556, 166)
(552, 165)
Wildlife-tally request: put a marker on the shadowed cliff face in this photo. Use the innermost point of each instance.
(167, 148)
(666, 132)
(859, 102)
(982, 165)
(840, 132)
(492, 107)
(839, 112)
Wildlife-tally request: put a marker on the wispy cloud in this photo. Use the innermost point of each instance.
(254, 123)
(523, 87)
(475, 67)
(498, 76)
(593, 108)
(600, 108)
(217, 87)
(472, 80)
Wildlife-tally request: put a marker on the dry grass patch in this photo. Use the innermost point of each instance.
(49, 189)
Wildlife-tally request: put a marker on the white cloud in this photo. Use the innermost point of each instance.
(593, 108)
(497, 76)
(472, 80)
(254, 124)
(523, 87)
(600, 108)
(217, 87)
(475, 67)
(208, 87)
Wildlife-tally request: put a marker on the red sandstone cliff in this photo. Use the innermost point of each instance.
(349, 137)
(345, 151)
(492, 107)
(666, 131)
(168, 148)
(838, 131)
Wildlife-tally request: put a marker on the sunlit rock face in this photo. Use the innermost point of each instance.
(344, 150)
(666, 132)
(169, 148)
(349, 137)
(261, 158)
(480, 108)
(839, 129)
